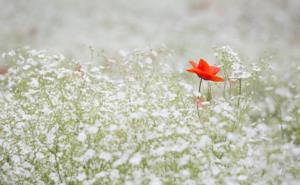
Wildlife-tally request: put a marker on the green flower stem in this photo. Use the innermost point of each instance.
(281, 130)
(199, 90)
(240, 91)
(226, 79)
(209, 94)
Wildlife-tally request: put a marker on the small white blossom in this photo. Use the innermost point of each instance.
(155, 181)
(81, 136)
(81, 176)
(92, 129)
(114, 174)
(203, 142)
(148, 60)
(239, 72)
(34, 83)
(89, 154)
(136, 159)
(105, 156)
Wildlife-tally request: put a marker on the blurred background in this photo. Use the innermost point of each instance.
(192, 28)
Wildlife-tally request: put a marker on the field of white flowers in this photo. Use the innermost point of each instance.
(132, 119)
(87, 111)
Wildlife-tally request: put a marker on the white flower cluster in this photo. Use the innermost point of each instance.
(239, 72)
(130, 121)
(227, 55)
(231, 62)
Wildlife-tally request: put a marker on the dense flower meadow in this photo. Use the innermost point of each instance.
(135, 119)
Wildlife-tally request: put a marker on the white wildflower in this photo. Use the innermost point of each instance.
(92, 129)
(40, 156)
(203, 142)
(137, 115)
(105, 156)
(287, 118)
(185, 173)
(232, 137)
(184, 160)
(101, 174)
(242, 177)
(121, 160)
(215, 170)
(148, 60)
(283, 92)
(11, 53)
(89, 154)
(16, 159)
(136, 159)
(180, 146)
(25, 67)
(114, 174)
(81, 177)
(256, 68)
(226, 55)
(161, 113)
(34, 83)
(239, 72)
(81, 136)
(155, 181)
(54, 177)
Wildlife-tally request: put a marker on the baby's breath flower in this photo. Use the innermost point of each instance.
(239, 72)
(131, 121)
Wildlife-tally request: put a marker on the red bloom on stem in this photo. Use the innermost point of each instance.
(205, 71)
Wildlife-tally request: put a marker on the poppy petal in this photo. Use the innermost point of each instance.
(216, 79)
(192, 70)
(214, 69)
(202, 74)
(205, 71)
(193, 63)
(203, 65)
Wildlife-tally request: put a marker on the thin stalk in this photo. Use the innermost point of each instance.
(240, 91)
(199, 90)
(57, 164)
(209, 94)
(225, 83)
(230, 88)
(224, 88)
(281, 130)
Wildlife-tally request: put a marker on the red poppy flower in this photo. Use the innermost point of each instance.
(205, 71)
